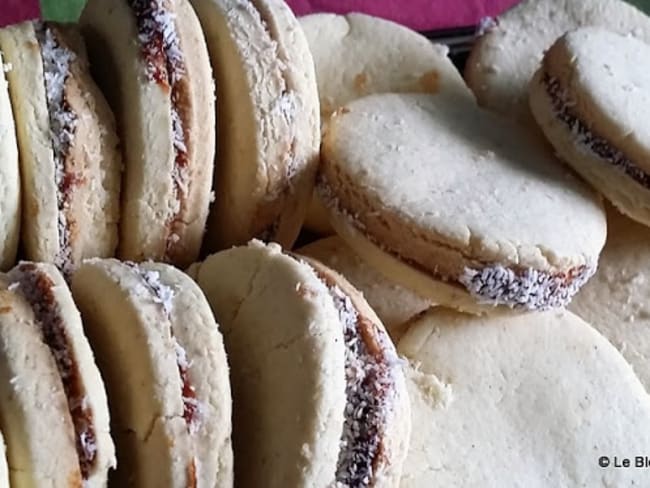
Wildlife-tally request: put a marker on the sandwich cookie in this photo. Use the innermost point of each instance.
(156, 75)
(69, 156)
(531, 400)
(615, 299)
(267, 121)
(319, 396)
(9, 175)
(458, 204)
(162, 357)
(590, 97)
(53, 407)
(357, 55)
(393, 304)
(509, 50)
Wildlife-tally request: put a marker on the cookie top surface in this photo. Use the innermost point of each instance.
(356, 55)
(445, 173)
(286, 352)
(615, 299)
(606, 80)
(525, 400)
(504, 59)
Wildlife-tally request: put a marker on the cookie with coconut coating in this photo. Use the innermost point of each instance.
(508, 51)
(157, 78)
(69, 155)
(590, 99)
(10, 176)
(268, 121)
(458, 204)
(317, 385)
(161, 355)
(54, 412)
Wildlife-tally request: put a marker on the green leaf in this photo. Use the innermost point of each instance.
(641, 4)
(62, 10)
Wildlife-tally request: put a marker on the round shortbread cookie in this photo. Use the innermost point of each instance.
(357, 55)
(458, 204)
(156, 75)
(316, 382)
(532, 400)
(9, 177)
(268, 121)
(162, 357)
(393, 304)
(55, 413)
(504, 59)
(590, 97)
(615, 301)
(69, 156)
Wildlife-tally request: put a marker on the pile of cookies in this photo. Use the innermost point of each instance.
(470, 309)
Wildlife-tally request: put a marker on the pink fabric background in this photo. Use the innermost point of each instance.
(417, 14)
(13, 11)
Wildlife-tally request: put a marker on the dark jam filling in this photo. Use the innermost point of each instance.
(518, 288)
(369, 383)
(63, 123)
(37, 287)
(163, 295)
(163, 58)
(597, 144)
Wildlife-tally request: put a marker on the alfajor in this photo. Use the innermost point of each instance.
(150, 58)
(318, 393)
(615, 300)
(162, 357)
(508, 50)
(9, 175)
(53, 409)
(591, 100)
(458, 204)
(268, 122)
(535, 400)
(69, 157)
(357, 55)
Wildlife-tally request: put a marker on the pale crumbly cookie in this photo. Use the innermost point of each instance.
(317, 385)
(69, 156)
(268, 121)
(162, 357)
(393, 304)
(505, 57)
(590, 97)
(357, 55)
(9, 176)
(54, 412)
(458, 204)
(531, 400)
(151, 60)
(615, 301)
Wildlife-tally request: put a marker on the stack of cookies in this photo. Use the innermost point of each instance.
(245, 249)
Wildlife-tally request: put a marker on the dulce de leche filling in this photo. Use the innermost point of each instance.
(595, 143)
(63, 122)
(490, 283)
(370, 393)
(164, 295)
(37, 288)
(165, 65)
